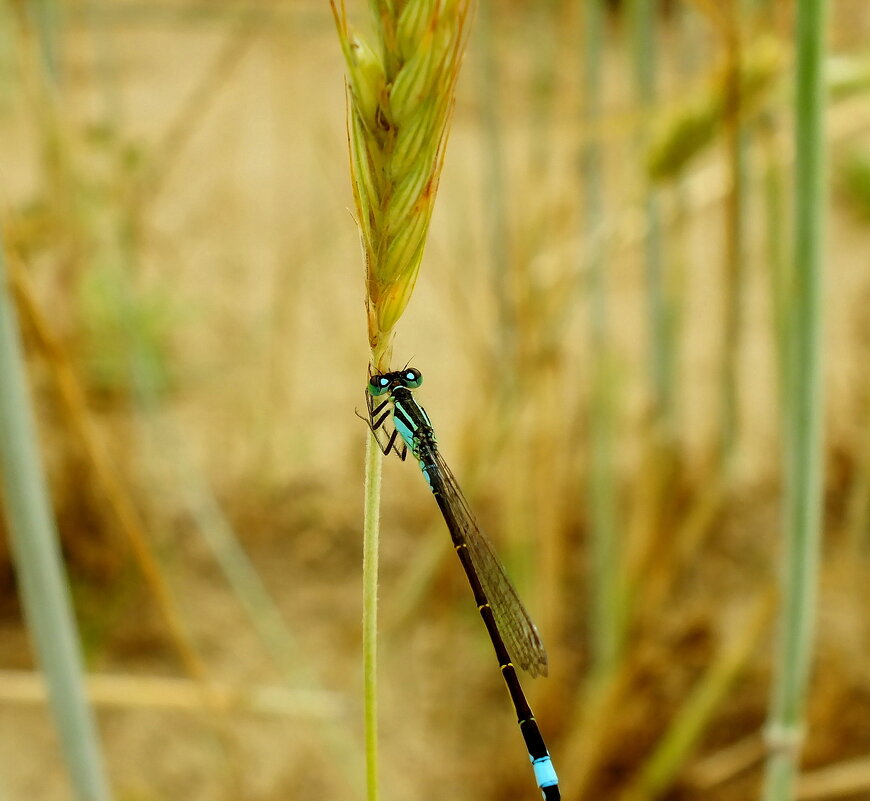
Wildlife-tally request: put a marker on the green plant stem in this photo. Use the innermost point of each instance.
(371, 536)
(44, 589)
(804, 441)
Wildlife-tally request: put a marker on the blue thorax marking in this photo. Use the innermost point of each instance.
(403, 426)
(410, 420)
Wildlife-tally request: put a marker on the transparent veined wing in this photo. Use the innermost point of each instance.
(519, 633)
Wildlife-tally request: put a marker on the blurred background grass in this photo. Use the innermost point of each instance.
(175, 201)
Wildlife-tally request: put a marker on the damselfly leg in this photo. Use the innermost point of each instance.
(376, 423)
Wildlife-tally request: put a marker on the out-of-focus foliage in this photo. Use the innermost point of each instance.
(853, 175)
(695, 123)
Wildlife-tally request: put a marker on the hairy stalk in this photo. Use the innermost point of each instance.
(371, 537)
(400, 101)
(804, 441)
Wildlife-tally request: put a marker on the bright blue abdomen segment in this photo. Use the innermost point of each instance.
(545, 773)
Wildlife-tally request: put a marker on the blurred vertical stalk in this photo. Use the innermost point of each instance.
(780, 278)
(40, 74)
(604, 575)
(775, 239)
(735, 242)
(542, 32)
(804, 440)
(495, 194)
(105, 61)
(688, 34)
(504, 274)
(44, 590)
(45, 14)
(642, 18)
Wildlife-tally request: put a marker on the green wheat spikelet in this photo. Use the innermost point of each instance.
(400, 99)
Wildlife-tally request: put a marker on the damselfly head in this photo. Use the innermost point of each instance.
(409, 377)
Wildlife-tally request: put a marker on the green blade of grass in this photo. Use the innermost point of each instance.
(44, 590)
(804, 435)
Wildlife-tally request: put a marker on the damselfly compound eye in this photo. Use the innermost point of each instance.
(378, 384)
(412, 378)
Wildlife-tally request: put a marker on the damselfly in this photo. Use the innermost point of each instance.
(514, 636)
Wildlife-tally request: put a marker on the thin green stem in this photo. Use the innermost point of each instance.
(804, 441)
(43, 585)
(371, 536)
